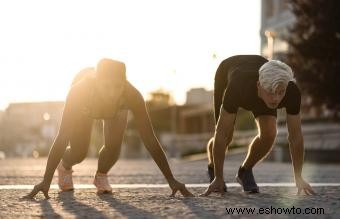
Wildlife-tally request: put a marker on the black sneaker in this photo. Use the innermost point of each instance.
(246, 179)
(211, 175)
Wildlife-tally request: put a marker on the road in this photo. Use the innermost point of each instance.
(131, 198)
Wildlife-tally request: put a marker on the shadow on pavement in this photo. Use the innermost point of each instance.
(125, 209)
(205, 207)
(198, 209)
(47, 209)
(80, 210)
(45, 205)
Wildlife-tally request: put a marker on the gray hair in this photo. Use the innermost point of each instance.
(273, 73)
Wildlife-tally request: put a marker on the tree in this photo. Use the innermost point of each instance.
(314, 49)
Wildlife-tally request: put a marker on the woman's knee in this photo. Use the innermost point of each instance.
(78, 156)
(111, 150)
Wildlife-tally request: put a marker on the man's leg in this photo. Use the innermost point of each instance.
(211, 172)
(113, 133)
(220, 84)
(257, 151)
(263, 142)
(210, 152)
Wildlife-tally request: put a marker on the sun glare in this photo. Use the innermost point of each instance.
(173, 45)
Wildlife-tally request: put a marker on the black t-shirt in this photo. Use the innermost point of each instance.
(241, 90)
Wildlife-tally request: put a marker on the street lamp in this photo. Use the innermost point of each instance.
(270, 42)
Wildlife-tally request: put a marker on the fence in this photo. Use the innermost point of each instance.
(316, 137)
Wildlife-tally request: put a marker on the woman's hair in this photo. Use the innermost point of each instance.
(84, 73)
(108, 68)
(274, 73)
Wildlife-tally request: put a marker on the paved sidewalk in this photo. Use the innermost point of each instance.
(156, 203)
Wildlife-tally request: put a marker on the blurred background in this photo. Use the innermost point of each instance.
(171, 50)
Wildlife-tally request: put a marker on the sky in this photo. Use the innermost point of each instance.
(173, 45)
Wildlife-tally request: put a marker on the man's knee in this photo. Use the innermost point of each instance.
(210, 143)
(267, 137)
(268, 130)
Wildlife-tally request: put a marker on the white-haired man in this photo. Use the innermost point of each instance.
(260, 86)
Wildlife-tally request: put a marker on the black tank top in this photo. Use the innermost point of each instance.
(94, 107)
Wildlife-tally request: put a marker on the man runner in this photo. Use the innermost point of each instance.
(260, 86)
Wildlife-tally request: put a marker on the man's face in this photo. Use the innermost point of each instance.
(272, 99)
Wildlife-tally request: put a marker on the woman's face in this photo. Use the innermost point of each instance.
(272, 99)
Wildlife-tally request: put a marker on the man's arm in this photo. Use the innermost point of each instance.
(225, 125)
(295, 140)
(296, 147)
(222, 138)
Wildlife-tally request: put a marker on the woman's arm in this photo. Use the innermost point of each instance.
(58, 148)
(138, 108)
(147, 134)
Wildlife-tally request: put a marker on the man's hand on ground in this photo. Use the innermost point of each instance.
(217, 185)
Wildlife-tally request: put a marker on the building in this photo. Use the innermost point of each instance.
(29, 127)
(197, 96)
(194, 124)
(320, 134)
(276, 17)
(197, 124)
(198, 116)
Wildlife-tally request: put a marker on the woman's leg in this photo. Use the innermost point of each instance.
(79, 144)
(113, 133)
